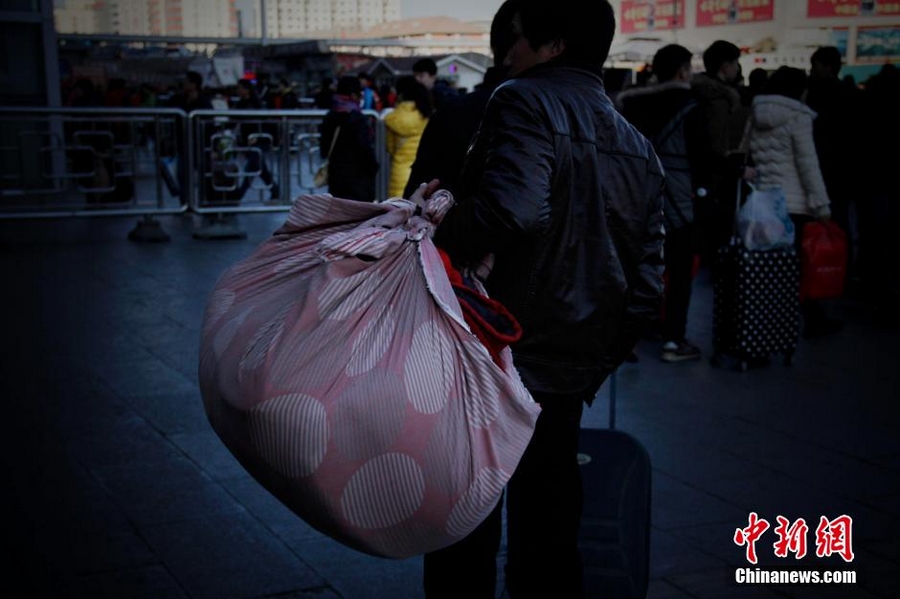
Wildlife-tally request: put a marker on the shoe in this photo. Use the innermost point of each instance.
(679, 352)
(820, 328)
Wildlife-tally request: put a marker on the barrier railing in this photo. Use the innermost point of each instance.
(64, 162)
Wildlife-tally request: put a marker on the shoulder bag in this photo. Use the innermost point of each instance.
(320, 179)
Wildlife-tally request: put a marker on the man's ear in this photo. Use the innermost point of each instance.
(557, 47)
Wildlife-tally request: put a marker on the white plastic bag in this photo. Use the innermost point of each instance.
(763, 222)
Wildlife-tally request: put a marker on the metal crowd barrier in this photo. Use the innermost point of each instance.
(64, 162)
(233, 152)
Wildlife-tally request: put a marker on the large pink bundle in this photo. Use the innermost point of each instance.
(336, 365)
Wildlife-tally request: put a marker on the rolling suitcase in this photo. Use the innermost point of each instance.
(756, 303)
(615, 525)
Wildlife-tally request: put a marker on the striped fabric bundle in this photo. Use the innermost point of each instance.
(337, 367)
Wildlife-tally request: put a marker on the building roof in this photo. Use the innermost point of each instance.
(475, 59)
(402, 65)
(405, 28)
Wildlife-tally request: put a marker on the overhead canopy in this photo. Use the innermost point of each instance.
(638, 50)
(221, 71)
(635, 50)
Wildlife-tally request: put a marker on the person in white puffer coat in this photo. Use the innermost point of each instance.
(784, 155)
(782, 146)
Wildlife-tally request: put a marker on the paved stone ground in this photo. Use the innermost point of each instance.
(115, 485)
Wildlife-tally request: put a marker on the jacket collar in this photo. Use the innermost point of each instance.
(783, 102)
(561, 63)
(654, 89)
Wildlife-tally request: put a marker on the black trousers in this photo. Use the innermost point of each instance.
(544, 500)
(714, 218)
(256, 161)
(681, 246)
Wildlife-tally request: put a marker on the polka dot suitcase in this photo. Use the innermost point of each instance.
(756, 305)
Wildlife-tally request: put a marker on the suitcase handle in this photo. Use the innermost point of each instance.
(612, 400)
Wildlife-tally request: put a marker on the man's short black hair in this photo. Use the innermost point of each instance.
(787, 81)
(829, 56)
(757, 78)
(348, 85)
(425, 65)
(586, 27)
(668, 60)
(718, 53)
(195, 78)
(408, 89)
(502, 38)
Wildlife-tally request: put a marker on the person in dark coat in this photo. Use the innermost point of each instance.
(879, 195)
(426, 72)
(726, 119)
(839, 132)
(566, 196)
(256, 137)
(449, 132)
(756, 81)
(325, 95)
(353, 165)
(669, 115)
(192, 96)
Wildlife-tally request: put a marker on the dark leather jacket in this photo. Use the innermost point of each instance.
(671, 117)
(568, 197)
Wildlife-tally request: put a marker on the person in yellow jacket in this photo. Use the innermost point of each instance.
(404, 127)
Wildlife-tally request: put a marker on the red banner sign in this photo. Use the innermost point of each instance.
(852, 8)
(729, 12)
(648, 15)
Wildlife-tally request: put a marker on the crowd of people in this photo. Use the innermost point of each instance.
(810, 134)
(411, 99)
(597, 207)
(717, 134)
(709, 128)
(526, 195)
